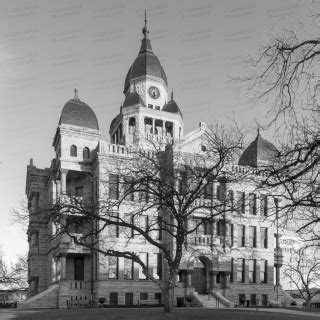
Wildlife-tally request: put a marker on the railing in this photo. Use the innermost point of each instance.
(205, 240)
(158, 138)
(105, 148)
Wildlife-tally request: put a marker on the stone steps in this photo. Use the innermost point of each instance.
(47, 299)
(207, 301)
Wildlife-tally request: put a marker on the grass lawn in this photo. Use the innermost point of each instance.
(146, 314)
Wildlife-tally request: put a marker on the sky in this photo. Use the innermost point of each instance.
(48, 48)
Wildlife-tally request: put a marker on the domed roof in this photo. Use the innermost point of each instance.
(172, 106)
(259, 152)
(78, 113)
(132, 98)
(147, 63)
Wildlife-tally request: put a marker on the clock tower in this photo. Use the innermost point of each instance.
(146, 113)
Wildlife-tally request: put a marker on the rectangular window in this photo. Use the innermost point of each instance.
(202, 226)
(113, 298)
(208, 190)
(113, 186)
(79, 191)
(231, 200)
(263, 270)
(128, 269)
(128, 188)
(221, 228)
(253, 299)
(253, 236)
(113, 229)
(241, 202)
(34, 239)
(232, 234)
(264, 206)
(158, 228)
(253, 204)
(264, 237)
(240, 270)
(241, 235)
(144, 258)
(252, 271)
(264, 299)
(150, 106)
(218, 192)
(157, 265)
(143, 296)
(113, 267)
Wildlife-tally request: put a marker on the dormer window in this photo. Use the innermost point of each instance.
(203, 148)
(73, 151)
(86, 153)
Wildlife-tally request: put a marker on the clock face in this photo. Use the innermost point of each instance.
(154, 92)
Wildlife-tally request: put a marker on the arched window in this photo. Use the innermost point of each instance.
(86, 153)
(73, 151)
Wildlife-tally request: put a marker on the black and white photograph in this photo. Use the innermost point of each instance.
(160, 159)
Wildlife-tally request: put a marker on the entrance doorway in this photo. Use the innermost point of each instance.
(199, 276)
(79, 268)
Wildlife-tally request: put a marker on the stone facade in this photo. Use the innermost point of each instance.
(234, 269)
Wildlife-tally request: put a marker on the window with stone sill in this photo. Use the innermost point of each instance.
(113, 270)
(143, 296)
(128, 269)
(73, 151)
(86, 153)
(252, 271)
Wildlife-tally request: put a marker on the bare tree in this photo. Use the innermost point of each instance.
(14, 275)
(160, 195)
(285, 74)
(304, 273)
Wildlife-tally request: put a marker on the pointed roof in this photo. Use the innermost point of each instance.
(146, 63)
(259, 152)
(172, 106)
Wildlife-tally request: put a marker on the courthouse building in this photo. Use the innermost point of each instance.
(227, 264)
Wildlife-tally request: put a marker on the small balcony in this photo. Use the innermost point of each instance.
(205, 240)
(65, 244)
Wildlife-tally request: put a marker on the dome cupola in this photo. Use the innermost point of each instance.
(260, 152)
(77, 113)
(172, 106)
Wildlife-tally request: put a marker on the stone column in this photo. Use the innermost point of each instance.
(226, 276)
(63, 267)
(63, 179)
(213, 278)
(58, 187)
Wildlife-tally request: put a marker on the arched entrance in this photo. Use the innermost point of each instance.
(199, 274)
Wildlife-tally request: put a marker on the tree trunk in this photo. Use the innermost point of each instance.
(168, 299)
(308, 305)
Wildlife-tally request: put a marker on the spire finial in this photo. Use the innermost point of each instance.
(121, 107)
(172, 95)
(145, 30)
(145, 17)
(258, 130)
(76, 93)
